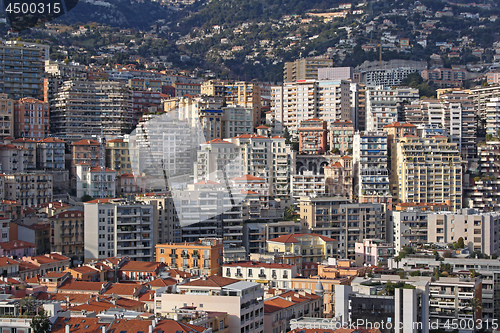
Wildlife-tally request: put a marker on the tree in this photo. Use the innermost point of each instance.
(40, 323)
(28, 304)
(86, 198)
(289, 213)
(461, 243)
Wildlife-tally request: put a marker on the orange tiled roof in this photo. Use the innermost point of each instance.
(73, 284)
(78, 325)
(68, 213)
(170, 325)
(248, 177)
(141, 266)
(4, 261)
(128, 289)
(86, 143)
(52, 140)
(18, 244)
(162, 282)
(293, 238)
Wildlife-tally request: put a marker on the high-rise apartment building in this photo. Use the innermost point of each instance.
(371, 169)
(304, 69)
(313, 137)
(429, 170)
(31, 118)
(294, 102)
(85, 108)
(383, 105)
(117, 228)
(50, 154)
(118, 156)
(484, 192)
(21, 70)
(6, 116)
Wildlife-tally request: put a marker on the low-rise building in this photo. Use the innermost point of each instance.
(268, 274)
(204, 257)
(373, 252)
(280, 309)
(66, 234)
(312, 247)
(243, 301)
(94, 182)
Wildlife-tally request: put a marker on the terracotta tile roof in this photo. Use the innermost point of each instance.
(55, 204)
(298, 298)
(72, 298)
(126, 175)
(128, 289)
(4, 261)
(21, 140)
(162, 282)
(217, 141)
(248, 177)
(293, 238)
(141, 266)
(130, 325)
(148, 296)
(96, 307)
(49, 258)
(55, 274)
(210, 281)
(262, 127)
(171, 326)
(257, 264)
(276, 304)
(115, 140)
(67, 214)
(18, 244)
(85, 270)
(86, 143)
(248, 192)
(83, 286)
(174, 272)
(26, 266)
(399, 124)
(78, 325)
(95, 169)
(52, 140)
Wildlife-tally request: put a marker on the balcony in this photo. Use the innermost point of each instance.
(262, 276)
(173, 255)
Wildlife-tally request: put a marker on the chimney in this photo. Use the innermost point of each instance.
(150, 328)
(103, 329)
(66, 329)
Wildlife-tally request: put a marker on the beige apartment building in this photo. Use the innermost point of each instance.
(479, 230)
(429, 171)
(67, 233)
(118, 156)
(304, 69)
(6, 116)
